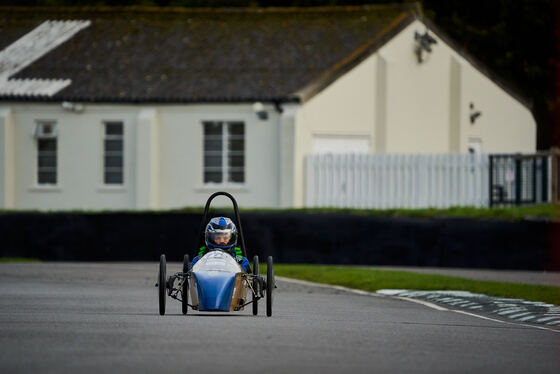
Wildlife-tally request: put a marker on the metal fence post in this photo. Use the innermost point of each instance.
(517, 181)
(490, 177)
(544, 179)
(555, 154)
(534, 187)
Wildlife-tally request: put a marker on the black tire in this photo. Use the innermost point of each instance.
(162, 284)
(270, 285)
(185, 288)
(256, 286)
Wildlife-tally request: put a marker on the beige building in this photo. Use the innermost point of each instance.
(159, 116)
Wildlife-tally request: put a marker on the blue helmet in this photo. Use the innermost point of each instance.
(220, 233)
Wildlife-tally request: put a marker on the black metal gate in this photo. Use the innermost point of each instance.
(518, 179)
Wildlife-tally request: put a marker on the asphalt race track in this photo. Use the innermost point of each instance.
(68, 317)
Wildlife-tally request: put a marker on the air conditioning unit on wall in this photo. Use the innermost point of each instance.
(45, 130)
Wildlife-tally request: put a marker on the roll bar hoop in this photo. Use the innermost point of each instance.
(205, 220)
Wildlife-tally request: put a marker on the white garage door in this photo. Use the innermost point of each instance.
(340, 144)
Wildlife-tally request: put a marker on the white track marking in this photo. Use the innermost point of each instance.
(514, 316)
(506, 322)
(526, 318)
(483, 317)
(509, 311)
(425, 303)
(389, 293)
(476, 307)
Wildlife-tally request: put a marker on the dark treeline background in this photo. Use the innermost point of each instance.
(519, 40)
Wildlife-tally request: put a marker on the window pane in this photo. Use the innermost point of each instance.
(215, 171)
(113, 177)
(213, 176)
(236, 176)
(46, 144)
(46, 161)
(114, 128)
(213, 145)
(236, 161)
(212, 128)
(47, 177)
(236, 145)
(48, 128)
(49, 161)
(113, 145)
(113, 161)
(213, 148)
(212, 161)
(236, 128)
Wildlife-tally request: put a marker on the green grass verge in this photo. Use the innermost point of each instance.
(18, 259)
(373, 280)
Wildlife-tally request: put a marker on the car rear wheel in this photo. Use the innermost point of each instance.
(256, 286)
(270, 285)
(162, 283)
(185, 288)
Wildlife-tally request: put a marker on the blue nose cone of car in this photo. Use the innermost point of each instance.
(215, 290)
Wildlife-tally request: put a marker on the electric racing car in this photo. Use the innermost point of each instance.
(217, 282)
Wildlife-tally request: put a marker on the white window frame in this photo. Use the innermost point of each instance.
(41, 134)
(112, 153)
(226, 153)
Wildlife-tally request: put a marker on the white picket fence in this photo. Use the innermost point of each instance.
(396, 180)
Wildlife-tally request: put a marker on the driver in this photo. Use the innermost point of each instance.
(221, 234)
